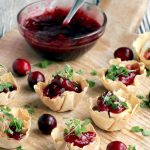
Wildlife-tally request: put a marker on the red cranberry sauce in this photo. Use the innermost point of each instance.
(128, 80)
(60, 84)
(82, 140)
(15, 135)
(48, 26)
(147, 55)
(109, 102)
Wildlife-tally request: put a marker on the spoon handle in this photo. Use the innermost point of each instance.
(74, 9)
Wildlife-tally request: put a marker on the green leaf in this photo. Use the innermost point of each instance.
(145, 101)
(1, 119)
(44, 64)
(5, 85)
(124, 104)
(115, 70)
(18, 124)
(8, 131)
(80, 72)
(146, 132)
(76, 126)
(131, 147)
(30, 109)
(93, 73)
(91, 83)
(148, 72)
(136, 129)
(19, 148)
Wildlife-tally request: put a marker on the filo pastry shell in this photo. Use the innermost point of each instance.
(116, 85)
(67, 100)
(116, 121)
(10, 143)
(5, 98)
(60, 144)
(141, 45)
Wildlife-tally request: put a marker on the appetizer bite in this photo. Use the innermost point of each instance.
(64, 90)
(77, 135)
(112, 110)
(8, 88)
(142, 48)
(122, 74)
(14, 126)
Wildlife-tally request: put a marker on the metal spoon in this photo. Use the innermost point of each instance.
(77, 4)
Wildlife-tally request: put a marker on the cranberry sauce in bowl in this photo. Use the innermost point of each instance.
(41, 25)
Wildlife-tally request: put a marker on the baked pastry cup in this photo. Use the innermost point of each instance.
(116, 85)
(60, 143)
(7, 94)
(7, 141)
(111, 121)
(141, 46)
(67, 100)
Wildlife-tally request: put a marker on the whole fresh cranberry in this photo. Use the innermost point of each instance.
(47, 123)
(21, 67)
(116, 145)
(35, 77)
(124, 53)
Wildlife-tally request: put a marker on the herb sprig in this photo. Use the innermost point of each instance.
(19, 148)
(76, 126)
(93, 72)
(68, 72)
(116, 70)
(145, 101)
(148, 72)
(30, 109)
(14, 122)
(44, 64)
(131, 147)
(5, 85)
(80, 72)
(91, 83)
(137, 129)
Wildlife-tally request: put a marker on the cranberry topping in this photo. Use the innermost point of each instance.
(104, 104)
(116, 145)
(128, 80)
(147, 55)
(60, 84)
(15, 135)
(124, 53)
(21, 67)
(35, 77)
(82, 140)
(47, 123)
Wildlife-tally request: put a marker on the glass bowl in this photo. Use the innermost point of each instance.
(40, 23)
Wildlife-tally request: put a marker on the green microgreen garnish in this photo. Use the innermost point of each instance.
(19, 148)
(5, 85)
(80, 72)
(148, 72)
(137, 129)
(30, 109)
(113, 101)
(44, 64)
(114, 71)
(76, 126)
(93, 72)
(91, 83)
(131, 147)
(17, 123)
(67, 72)
(145, 101)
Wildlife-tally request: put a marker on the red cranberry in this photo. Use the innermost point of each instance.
(135, 67)
(116, 145)
(101, 104)
(47, 123)
(147, 55)
(21, 67)
(82, 140)
(15, 135)
(124, 53)
(35, 77)
(118, 110)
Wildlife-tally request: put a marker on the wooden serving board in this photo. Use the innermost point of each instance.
(124, 17)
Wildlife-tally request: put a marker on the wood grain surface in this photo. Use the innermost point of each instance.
(118, 33)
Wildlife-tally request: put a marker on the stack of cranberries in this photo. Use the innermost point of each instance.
(60, 84)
